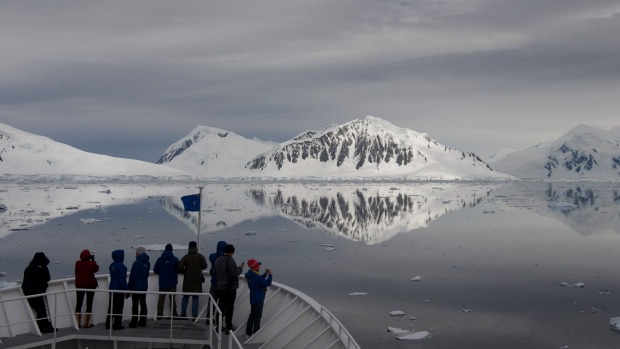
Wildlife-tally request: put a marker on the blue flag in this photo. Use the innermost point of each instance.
(191, 202)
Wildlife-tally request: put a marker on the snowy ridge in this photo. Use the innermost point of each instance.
(369, 148)
(22, 153)
(212, 152)
(582, 153)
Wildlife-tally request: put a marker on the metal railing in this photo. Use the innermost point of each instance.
(61, 313)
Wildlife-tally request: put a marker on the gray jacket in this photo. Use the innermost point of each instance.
(227, 273)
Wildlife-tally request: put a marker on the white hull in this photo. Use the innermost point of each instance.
(290, 319)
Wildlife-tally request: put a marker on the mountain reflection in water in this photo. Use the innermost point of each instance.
(370, 214)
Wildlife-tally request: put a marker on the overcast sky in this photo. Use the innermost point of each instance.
(129, 78)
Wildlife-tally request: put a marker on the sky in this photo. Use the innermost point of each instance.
(129, 78)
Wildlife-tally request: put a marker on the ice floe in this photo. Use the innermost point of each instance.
(4, 284)
(89, 220)
(397, 313)
(578, 284)
(416, 278)
(397, 330)
(355, 294)
(414, 335)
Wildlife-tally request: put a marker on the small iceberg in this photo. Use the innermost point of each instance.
(356, 294)
(397, 313)
(578, 284)
(250, 232)
(414, 335)
(329, 249)
(89, 220)
(416, 278)
(397, 330)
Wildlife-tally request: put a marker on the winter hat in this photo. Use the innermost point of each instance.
(229, 248)
(253, 264)
(168, 247)
(192, 244)
(85, 255)
(140, 250)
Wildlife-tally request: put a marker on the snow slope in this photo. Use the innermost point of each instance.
(582, 153)
(212, 152)
(22, 153)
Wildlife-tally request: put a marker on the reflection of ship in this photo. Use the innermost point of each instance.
(372, 214)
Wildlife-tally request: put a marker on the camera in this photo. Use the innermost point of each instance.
(92, 257)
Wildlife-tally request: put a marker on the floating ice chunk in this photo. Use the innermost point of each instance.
(326, 245)
(414, 335)
(329, 248)
(614, 324)
(250, 232)
(89, 220)
(466, 310)
(397, 330)
(354, 294)
(563, 347)
(416, 278)
(138, 236)
(579, 284)
(4, 284)
(397, 313)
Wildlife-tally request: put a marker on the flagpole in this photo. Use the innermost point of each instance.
(199, 215)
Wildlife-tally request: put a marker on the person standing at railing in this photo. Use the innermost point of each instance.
(118, 281)
(219, 251)
(257, 284)
(36, 277)
(138, 281)
(166, 267)
(85, 270)
(191, 266)
(227, 274)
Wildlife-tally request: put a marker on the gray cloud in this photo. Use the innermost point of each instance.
(128, 78)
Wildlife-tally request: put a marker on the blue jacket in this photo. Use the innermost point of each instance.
(258, 285)
(213, 257)
(138, 277)
(166, 268)
(118, 271)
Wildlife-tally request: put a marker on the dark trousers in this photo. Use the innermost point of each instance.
(80, 299)
(115, 306)
(256, 313)
(38, 305)
(226, 302)
(138, 304)
(161, 300)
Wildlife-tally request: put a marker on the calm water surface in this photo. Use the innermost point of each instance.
(492, 257)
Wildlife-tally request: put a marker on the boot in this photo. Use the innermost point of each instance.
(88, 320)
(78, 317)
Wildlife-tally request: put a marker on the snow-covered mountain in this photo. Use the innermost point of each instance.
(23, 153)
(582, 153)
(371, 147)
(212, 152)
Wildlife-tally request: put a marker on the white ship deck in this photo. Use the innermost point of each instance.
(291, 319)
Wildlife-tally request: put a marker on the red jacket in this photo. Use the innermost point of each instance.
(85, 270)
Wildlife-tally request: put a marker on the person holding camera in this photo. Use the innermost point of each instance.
(257, 284)
(85, 270)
